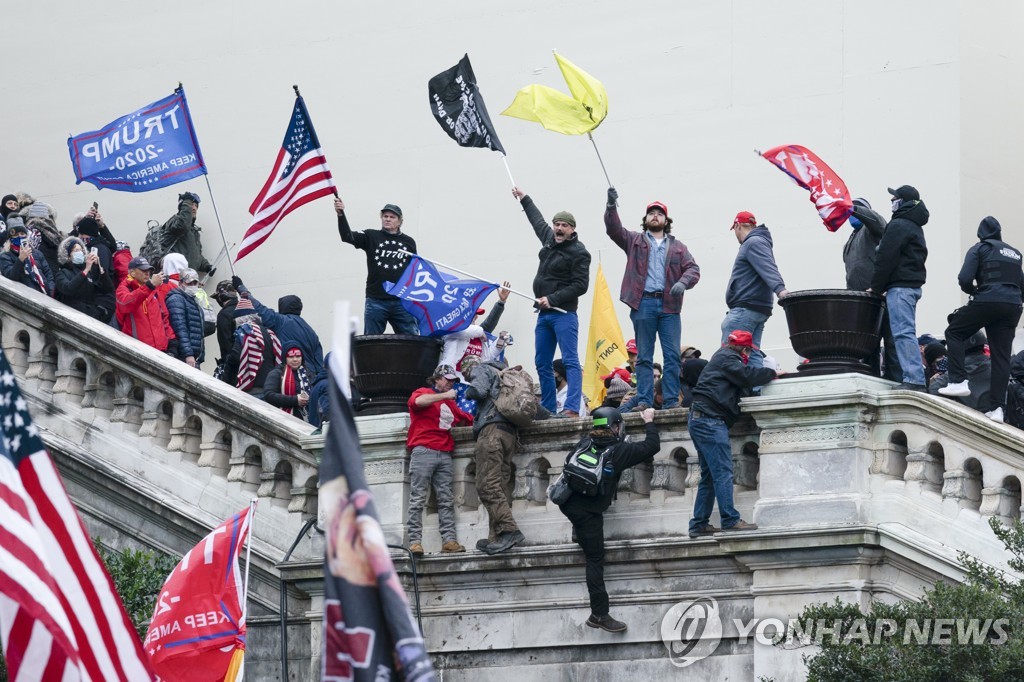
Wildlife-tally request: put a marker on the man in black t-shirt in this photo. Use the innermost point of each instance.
(385, 262)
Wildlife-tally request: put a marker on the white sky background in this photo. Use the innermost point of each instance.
(872, 87)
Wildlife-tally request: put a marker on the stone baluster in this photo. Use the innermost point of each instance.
(69, 381)
(1000, 502)
(127, 408)
(925, 469)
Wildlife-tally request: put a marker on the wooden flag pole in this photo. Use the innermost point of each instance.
(600, 160)
(507, 169)
(532, 299)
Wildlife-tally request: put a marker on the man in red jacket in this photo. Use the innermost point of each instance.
(140, 312)
(432, 413)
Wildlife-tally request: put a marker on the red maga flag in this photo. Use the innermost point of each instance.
(828, 191)
(60, 617)
(198, 626)
(300, 175)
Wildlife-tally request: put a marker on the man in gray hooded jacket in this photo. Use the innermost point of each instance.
(992, 275)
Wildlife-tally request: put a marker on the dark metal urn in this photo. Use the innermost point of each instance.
(387, 368)
(835, 329)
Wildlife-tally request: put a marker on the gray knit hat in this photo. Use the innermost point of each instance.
(565, 217)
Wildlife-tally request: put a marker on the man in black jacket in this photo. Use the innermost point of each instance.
(992, 275)
(716, 407)
(587, 512)
(385, 262)
(899, 275)
(562, 277)
(227, 299)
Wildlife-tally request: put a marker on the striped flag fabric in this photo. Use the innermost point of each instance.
(300, 175)
(60, 618)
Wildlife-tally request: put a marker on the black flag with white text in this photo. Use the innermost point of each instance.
(459, 109)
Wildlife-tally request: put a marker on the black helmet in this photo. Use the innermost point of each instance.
(607, 417)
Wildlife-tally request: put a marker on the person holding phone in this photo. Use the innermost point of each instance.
(82, 283)
(20, 262)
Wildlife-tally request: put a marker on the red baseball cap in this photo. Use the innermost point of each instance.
(480, 311)
(742, 338)
(744, 217)
(631, 346)
(621, 372)
(658, 205)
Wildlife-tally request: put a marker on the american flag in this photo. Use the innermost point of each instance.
(300, 175)
(60, 617)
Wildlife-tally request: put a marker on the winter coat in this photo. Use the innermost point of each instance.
(900, 257)
(226, 328)
(623, 456)
(14, 268)
(141, 314)
(679, 264)
(859, 252)
(272, 388)
(564, 272)
(724, 381)
(1014, 413)
(187, 322)
(187, 237)
(91, 293)
(50, 237)
(319, 408)
(292, 329)
(992, 272)
(483, 388)
(755, 277)
(383, 262)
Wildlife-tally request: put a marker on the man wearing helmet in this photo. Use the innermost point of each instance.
(586, 512)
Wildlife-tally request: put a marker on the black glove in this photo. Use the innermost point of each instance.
(613, 197)
(236, 282)
(211, 272)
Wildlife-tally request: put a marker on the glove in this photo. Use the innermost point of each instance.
(236, 282)
(678, 289)
(613, 197)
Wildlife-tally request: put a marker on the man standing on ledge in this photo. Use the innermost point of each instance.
(659, 270)
(754, 279)
(728, 376)
(899, 275)
(385, 262)
(562, 277)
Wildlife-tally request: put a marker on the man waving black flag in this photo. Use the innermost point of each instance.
(369, 631)
(458, 107)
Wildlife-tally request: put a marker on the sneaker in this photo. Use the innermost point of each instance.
(996, 415)
(416, 548)
(920, 388)
(705, 530)
(640, 408)
(452, 547)
(482, 543)
(606, 623)
(741, 525)
(505, 542)
(958, 390)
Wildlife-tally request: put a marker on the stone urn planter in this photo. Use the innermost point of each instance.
(387, 368)
(835, 329)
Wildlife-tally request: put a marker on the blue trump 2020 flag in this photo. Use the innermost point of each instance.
(441, 302)
(150, 148)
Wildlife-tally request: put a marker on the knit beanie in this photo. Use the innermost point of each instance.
(618, 389)
(88, 227)
(565, 217)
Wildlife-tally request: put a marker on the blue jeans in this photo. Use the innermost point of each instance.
(746, 320)
(562, 329)
(711, 438)
(379, 311)
(649, 320)
(901, 304)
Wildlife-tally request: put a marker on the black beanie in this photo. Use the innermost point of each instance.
(3, 205)
(88, 227)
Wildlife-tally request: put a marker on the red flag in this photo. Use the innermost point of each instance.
(199, 620)
(828, 191)
(60, 617)
(300, 175)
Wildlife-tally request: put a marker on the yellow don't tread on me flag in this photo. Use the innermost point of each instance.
(575, 115)
(606, 349)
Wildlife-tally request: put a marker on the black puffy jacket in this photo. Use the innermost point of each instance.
(187, 322)
(564, 272)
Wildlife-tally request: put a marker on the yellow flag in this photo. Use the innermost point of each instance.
(555, 110)
(606, 349)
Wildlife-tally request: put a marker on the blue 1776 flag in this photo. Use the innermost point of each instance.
(441, 302)
(369, 632)
(60, 617)
(147, 149)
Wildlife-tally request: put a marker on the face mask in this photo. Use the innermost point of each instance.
(18, 241)
(190, 289)
(78, 257)
(896, 203)
(855, 223)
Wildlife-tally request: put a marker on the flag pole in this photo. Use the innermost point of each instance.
(216, 214)
(248, 554)
(299, 96)
(533, 299)
(507, 169)
(600, 160)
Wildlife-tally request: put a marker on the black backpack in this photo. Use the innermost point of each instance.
(589, 471)
(157, 244)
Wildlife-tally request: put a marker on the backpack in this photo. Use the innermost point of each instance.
(157, 244)
(516, 401)
(587, 470)
(1014, 415)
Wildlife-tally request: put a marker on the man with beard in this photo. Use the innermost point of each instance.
(659, 270)
(562, 277)
(385, 262)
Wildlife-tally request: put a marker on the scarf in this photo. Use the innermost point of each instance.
(253, 344)
(32, 270)
(294, 382)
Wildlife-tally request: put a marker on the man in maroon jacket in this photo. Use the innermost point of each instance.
(659, 270)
